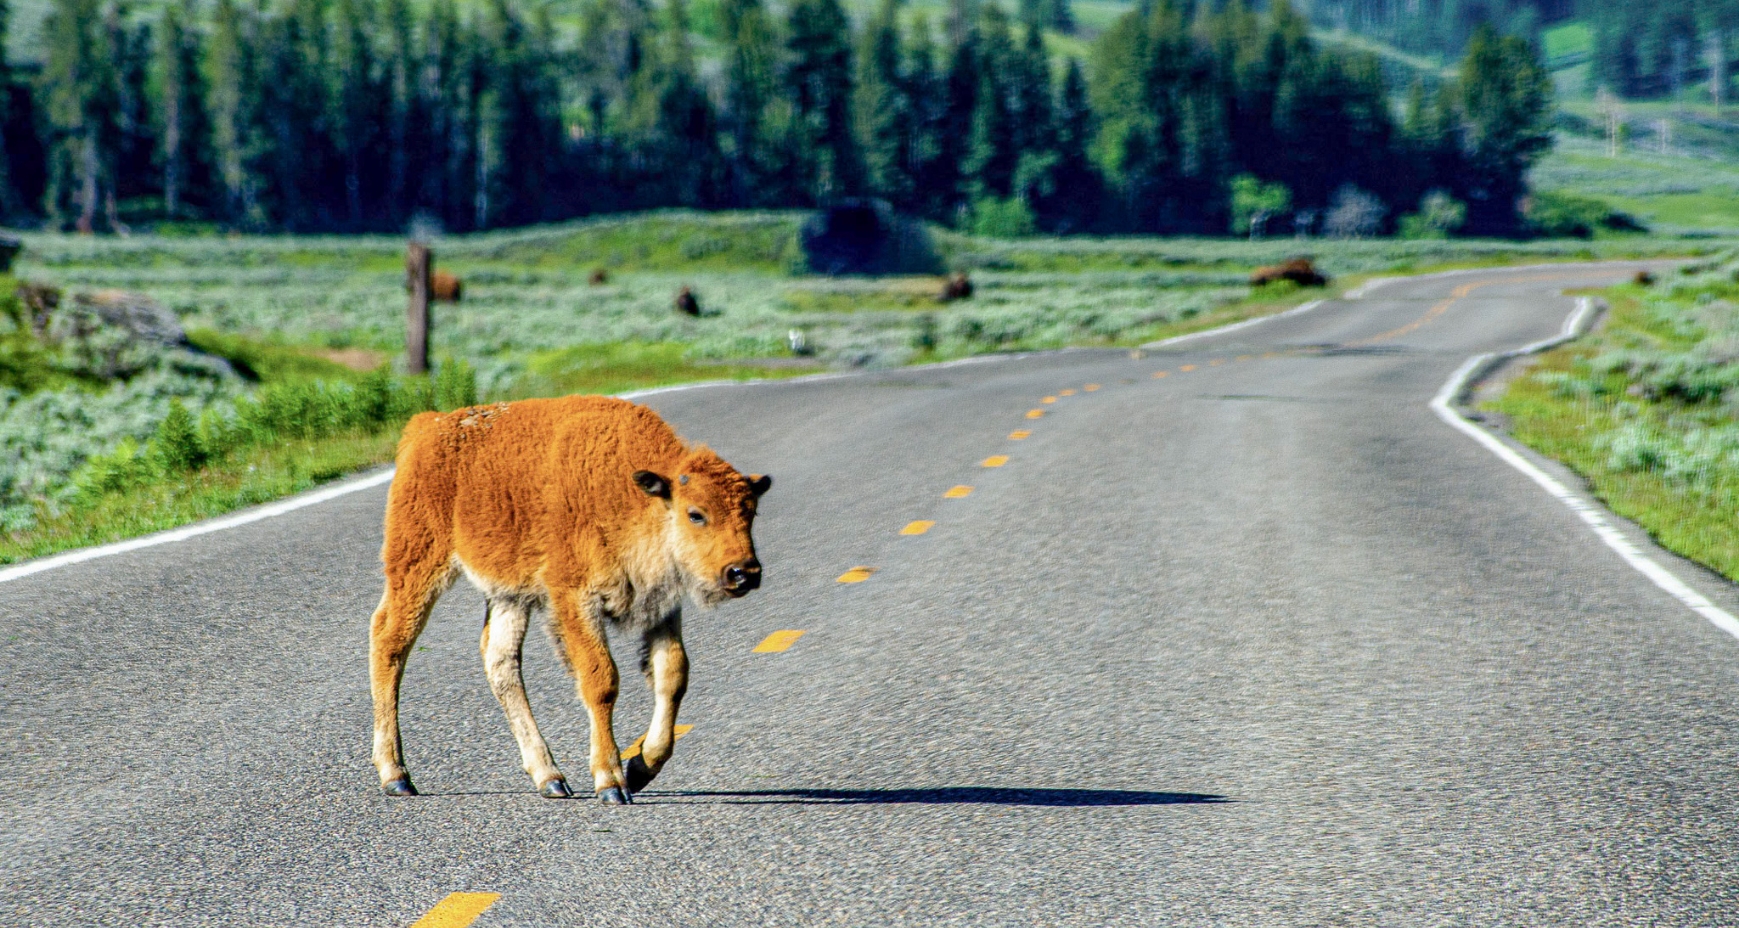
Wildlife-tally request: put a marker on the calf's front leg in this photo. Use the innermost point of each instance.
(666, 667)
(503, 635)
(582, 631)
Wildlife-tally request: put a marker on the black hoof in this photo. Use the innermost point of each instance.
(635, 771)
(613, 796)
(399, 787)
(556, 789)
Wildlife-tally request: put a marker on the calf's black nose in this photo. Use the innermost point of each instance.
(743, 576)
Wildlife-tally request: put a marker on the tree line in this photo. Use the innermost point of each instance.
(357, 115)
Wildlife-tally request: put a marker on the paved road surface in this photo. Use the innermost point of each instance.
(1260, 642)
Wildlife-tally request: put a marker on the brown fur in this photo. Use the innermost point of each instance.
(40, 301)
(1298, 270)
(444, 287)
(538, 503)
(957, 287)
(687, 303)
(599, 277)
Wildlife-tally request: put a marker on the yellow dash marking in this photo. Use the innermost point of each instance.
(1159, 374)
(778, 641)
(856, 575)
(1242, 357)
(996, 460)
(1269, 354)
(1216, 362)
(915, 528)
(958, 492)
(1035, 414)
(676, 732)
(1091, 387)
(1019, 434)
(1187, 368)
(1065, 393)
(1048, 399)
(457, 910)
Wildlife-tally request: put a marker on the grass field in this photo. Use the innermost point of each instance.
(1644, 410)
(317, 313)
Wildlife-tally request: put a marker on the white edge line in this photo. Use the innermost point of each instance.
(1443, 406)
(274, 510)
(1296, 310)
(198, 528)
(334, 491)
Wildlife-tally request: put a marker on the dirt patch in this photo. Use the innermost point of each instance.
(357, 359)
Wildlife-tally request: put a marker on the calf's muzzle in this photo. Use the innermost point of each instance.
(741, 577)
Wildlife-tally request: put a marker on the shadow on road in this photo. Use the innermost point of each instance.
(946, 795)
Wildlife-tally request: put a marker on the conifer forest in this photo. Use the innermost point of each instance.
(383, 115)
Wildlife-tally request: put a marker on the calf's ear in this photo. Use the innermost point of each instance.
(653, 484)
(760, 483)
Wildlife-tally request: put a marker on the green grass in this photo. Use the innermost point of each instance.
(620, 368)
(260, 476)
(1647, 452)
(1673, 194)
(1567, 41)
(289, 310)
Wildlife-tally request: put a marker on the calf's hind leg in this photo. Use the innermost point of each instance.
(398, 620)
(666, 666)
(503, 637)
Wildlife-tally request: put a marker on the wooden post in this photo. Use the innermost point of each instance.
(418, 261)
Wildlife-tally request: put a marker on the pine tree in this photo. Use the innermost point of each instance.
(1506, 105)
(235, 138)
(882, 109)
(1073, 205)
(78, 81)
(8, 196)
(183, 132)
(401, 109)
(819, 79)
(355, 93)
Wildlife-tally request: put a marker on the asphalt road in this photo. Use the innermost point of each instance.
(1258, 642)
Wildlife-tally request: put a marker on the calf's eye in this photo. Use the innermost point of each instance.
(695, 516)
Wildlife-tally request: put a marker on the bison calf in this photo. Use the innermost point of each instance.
(588, 507)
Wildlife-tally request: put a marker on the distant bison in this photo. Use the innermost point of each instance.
(957, 287)
(598, 277)
(687, 303)
(1298, 270)
(444, 287)
(588, 507)
(1643, 279)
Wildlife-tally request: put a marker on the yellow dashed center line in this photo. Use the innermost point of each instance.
(1048, 399)
(1216, 362)
(778, 641)
(1065, 393)
(1187, 368)
(917, 528)
(1019, 434)
(856, 575)
(1159, 374)
(1035, 414)
(1091, 387)
(996, 460)
(1242, 357)
(958, 492)
(676, 732)
(457, 910)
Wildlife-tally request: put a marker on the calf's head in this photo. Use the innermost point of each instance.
(711, 508)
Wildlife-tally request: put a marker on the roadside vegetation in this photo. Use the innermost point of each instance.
(280, 372)
(1645, 409)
